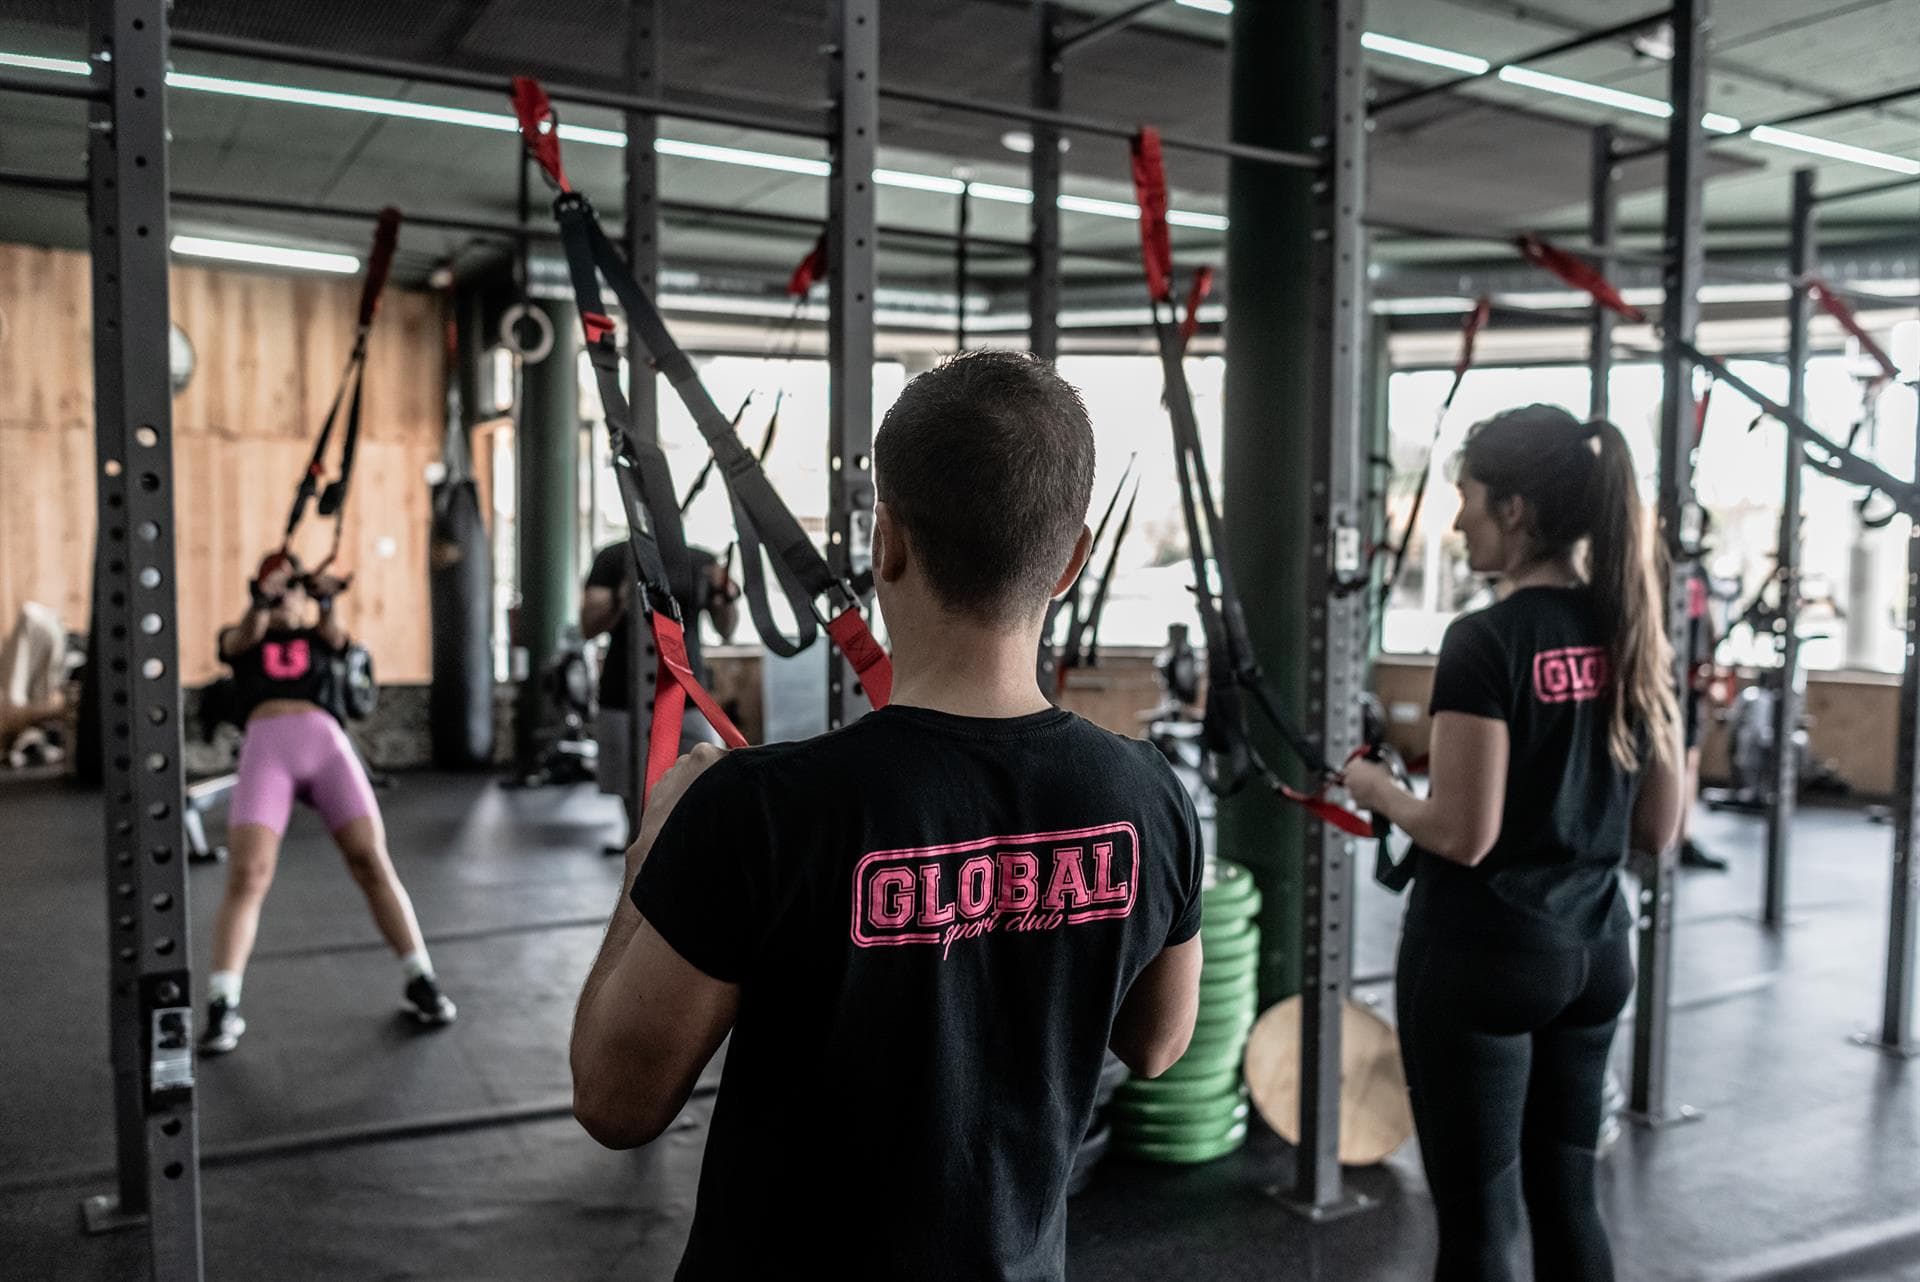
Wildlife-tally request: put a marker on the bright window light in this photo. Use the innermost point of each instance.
(239, 251)
(1432, 55)
(61, 66)
(1834, 150)
(1531, 79)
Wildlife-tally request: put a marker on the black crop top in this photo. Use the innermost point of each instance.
(289, 665)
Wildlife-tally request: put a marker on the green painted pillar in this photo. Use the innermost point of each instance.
(1275, 76)
(547, 467)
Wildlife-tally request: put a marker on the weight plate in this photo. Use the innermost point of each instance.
(1159, 1090)
(1215, 1126)
(1227, 884)
(1128, 1112)
(1187, 1154)
(1207, 1061)
(1239, 946)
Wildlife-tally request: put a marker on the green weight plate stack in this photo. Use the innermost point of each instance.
(1197, 1110)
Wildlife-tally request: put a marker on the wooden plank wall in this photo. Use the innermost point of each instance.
(269, 349)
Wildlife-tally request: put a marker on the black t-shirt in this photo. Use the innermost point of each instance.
(934, 920)
(612, 569)
(1537, 662)
(288, 664)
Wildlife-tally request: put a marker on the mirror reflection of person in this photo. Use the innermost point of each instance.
(285, 654)
(604, 609)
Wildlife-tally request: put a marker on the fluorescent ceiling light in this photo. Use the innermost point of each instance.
(1437, 305)
(1531, 79)
(1005, 195)
(239, 251)
(1834, 150)
(61, 66)
(732, 156)
(918, 182)
(1210, 6)
(1432, 55)
(1715, 123)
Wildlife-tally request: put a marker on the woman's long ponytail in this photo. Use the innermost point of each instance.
(1623, 571)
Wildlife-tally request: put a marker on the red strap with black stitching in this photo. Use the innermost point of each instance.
(674, 686)
(1579, 273)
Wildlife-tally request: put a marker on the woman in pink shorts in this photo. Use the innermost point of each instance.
(286, 653)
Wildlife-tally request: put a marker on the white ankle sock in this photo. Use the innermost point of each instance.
(416, 964)
(224, 986)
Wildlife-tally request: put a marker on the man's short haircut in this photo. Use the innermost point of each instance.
(987, 461)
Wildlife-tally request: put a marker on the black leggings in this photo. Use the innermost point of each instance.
(1506, 1051)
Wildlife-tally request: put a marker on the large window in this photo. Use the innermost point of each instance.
(1854, 573)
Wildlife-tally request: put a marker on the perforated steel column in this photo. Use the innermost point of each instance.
(854, 29)
(135, 648)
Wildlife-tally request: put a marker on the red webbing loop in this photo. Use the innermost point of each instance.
(1316, 804)
(674, 685)
(1196, 295)
(810, 269)
(870, 662)
(1150, 189)
(1833, 305)
(539, 128)
(386, 235)
(1579, 273)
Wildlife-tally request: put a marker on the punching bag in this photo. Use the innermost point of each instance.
(460, 579)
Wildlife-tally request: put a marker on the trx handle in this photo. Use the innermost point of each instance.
(674, 687)
(386, 238)
(1833, 305)
(1150, 190)
(1577, 272)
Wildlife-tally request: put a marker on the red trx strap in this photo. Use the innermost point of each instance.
(646, 484)
(1470, 327)
(1196, 295)
(810, 269)
(1233, 675)
(1579, 273)
(1832, 304)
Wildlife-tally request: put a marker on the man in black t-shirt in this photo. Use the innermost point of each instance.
(604, 608)
(923, 930)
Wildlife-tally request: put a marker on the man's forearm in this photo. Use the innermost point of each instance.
(621, 929)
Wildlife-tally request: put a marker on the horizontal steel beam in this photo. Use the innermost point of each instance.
(1869, 189)
(1112, 22)
(484, 82)
(67, 87)
(1102, 128)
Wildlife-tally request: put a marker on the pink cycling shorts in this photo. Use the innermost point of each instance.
(302, 756)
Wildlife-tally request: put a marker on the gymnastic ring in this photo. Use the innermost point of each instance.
(510, 337)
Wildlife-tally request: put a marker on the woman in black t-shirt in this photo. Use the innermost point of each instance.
(1555, 746)
(286, 654)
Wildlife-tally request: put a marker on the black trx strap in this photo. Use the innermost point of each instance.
(760, 514)
(333, 499)
(1233, 675)
(1083, 624)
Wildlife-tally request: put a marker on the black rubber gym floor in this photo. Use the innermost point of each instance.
(1806, 1164)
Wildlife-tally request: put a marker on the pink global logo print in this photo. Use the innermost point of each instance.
(1572, 674)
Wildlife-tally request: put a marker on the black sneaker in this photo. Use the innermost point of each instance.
(223, 1030)
(1691, 856)
(426, 1003)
